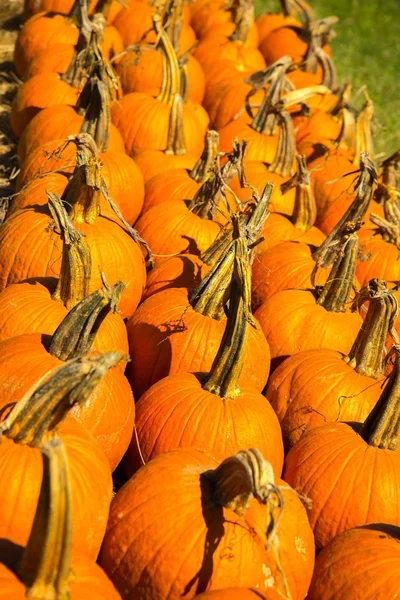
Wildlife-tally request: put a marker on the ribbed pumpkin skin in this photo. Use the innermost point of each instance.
(349, 482)
(182, 271)
(332, 168)
(38, 33)
(29, 308)
(315, 387)
(153, 162)
(167, 336)
(142, 72)
(41, 91)
(284, 266)
(170, 228)
(29, 249)
(383, 260)
(109, 413)
(238, 594)
(334, 212)
(152, 526)
(292, 322)
(55, 59)
(286, 41)
(278, 228)
(168, 187)
(56, 123)
(257, 174)
(268, 22)
(143, 123)
(35, 193)
(177, 413)
(260, 147)
(360, 564)
(249, 58)
(21, 471)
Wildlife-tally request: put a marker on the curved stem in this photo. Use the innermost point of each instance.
(242, 12)
(75, 272)
(336, 292)
(75, 334)
(381, 429)
(47, 403)
(45, 564)
(170, 85)
(363, 133)
(304, 213)
(320, 34)
(352, 218)
(206, 160)
(82, 60)
(176, 144)
(366, 354)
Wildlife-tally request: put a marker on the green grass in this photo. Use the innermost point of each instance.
(367, 50)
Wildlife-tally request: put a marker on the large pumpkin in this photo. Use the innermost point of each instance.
(210, 505)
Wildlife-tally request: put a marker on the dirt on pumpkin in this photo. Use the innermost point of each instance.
(10, 22)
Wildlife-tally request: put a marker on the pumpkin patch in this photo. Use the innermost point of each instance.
(199, 336)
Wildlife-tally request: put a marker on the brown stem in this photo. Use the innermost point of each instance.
(320, 34)
(45, 564)
(242, 12)
(75, 272)
(363, 133)
(284, 157)
(290, 8)
(170, 85)
(381, 428)
(336, 292)
(304, 213)
(75, 334)
(82, 60)
(47, 403)
(176, 144)
(223, 379)
(352, 218)
(207, 159)
(388, 189)
(366, 354)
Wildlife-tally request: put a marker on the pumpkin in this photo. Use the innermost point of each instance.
(182, 271)
(268, 22)
(238, 594)
(297, 320)
(370, 550)
(30, 423)
(45, 561)
(181, 184)
(109, 416)
(319, 386)
(162, 331)
(289, 265)
(356, 479)
(39, 306)
(210, 503)
(148, 123)
(84, 194)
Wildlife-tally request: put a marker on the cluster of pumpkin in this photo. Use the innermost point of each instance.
(279, 209)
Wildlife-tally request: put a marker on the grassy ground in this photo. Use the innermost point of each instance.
(366, 50)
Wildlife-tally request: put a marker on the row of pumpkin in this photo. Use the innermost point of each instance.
(279, 209)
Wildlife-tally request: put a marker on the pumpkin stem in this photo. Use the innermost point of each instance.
(326, 253)
(33, 419)
(176, 144)
(207, 159)
(363, 133)
(45, 564)
(103, 7)
(320, 34)
(346, 115)
(83, 57)
(76, 266)
(76, 332)
(381, 428)
(304, 213)
(290, 8)
(206, 200)
(336, 292)
(227, 366)
(170, 85)
(242, 12)
(239, 479)
(366, 354)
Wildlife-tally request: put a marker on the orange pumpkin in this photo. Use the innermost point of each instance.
(224, 494)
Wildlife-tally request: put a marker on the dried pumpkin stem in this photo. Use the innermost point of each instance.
(304, 213)
(367, 352)
(242, 12)
(284, 157)
(75, 272)
(335, 294)
(170, 85)
(176, 144)
(47, 403)
(82, 60)
(75, 334)
(381, 429)
(45, 564)
(292, 7)
(224, 375)
(363, 133)
(239, 479)
(346, 115)
(320, 34)
(265, 120)
(206, 160)
(326, 253)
